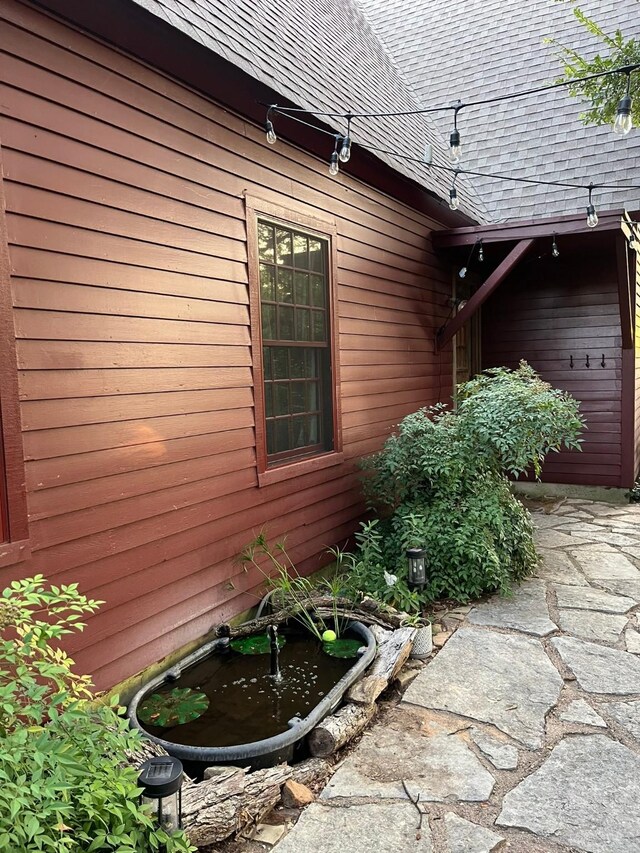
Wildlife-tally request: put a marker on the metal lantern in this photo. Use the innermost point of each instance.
(417, 566)
(161, 780)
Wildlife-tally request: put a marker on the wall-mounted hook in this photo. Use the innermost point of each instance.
(571, 362)
(587, 361)
(603, 363)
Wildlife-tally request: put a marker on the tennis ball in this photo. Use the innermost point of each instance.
(329, 637)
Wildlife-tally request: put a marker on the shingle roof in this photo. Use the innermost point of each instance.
(321, 55)
(474, 48)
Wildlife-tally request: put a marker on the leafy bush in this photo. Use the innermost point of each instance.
(440, 482)
(65, 785)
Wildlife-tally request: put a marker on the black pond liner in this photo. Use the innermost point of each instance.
(264, 752)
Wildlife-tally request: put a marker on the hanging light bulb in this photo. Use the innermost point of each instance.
(462, 273)
(555, 251)
(592, 216)
(455, 149)
(454, 201)
(480, 253)
(624, 122)
(334, 164)
(345, 150)
(271, 134)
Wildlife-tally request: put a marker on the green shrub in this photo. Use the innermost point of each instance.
(65, 785)
(441, 482)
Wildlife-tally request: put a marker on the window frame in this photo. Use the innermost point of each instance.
(14, 522)
(325, 229)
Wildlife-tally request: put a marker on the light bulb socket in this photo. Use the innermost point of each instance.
(454, 202)
(271, 134)
(345, 149)
(592, 216)
(624, 107)
(623, 122)
(454, 145)
(334, 163)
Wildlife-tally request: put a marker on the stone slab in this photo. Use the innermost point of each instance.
(525, 610)
(502, 755)
(438, 766)
(556, 539)
(591, 625)
(632, 641)
(558, 567)
(584, 795)
(505, 680)
(628, 588)
(380, 827)
(587, 598)
(599, 669)
(627, 714)
(603, 564)
(466, 837)
(580, 711)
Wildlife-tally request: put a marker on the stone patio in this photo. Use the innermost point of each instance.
(523, 733)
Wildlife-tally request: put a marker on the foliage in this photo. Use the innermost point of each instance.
(258, 644)
(440, 482)
(346, 648)
(178, 706)
(65, 786)
(604, 93)
(291, 588)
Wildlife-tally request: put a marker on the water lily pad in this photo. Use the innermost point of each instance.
(342, 648)
(180, 705)
(259, 644)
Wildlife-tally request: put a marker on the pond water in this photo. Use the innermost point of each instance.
(246, 703)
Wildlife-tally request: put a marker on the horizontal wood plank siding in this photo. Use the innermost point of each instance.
(548, 311)
(635, 270)
(128, 247)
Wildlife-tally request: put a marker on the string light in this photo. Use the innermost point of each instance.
(455, 149)
(624, 122)
(462, 272)
(555, 251)
(454, 201)
(592, 216)
(345, 147)
(481, 253)
(334, 162)
(268, 126)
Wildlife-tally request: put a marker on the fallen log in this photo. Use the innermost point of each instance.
(392, 654)
(313, 772)
(335, 731)
(230, 801)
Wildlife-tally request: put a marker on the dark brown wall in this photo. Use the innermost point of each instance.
(549, 310)
(635, 273)
(128, 249)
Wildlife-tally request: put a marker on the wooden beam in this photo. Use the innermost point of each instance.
(564, 225)
(624, 292)
(485, 290)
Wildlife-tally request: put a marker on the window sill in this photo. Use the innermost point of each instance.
(14, 552)
(297, 469)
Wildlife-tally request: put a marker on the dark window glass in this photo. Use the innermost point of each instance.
(294, 294)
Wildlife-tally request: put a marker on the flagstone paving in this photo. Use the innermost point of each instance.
(523, 733)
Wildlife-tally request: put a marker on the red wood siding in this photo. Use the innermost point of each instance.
(635, 271)
(547, 311)
(127, 238)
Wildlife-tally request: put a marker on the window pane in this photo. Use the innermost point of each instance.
(269, 322)
(318, 326)
(271, 437)
(298, 397)
(298, 428)
(302, 288)
(300, 249)
(317, 291)
(297, 363)
(312, 397)
(266, 362)
(267, 282)
(285, 286)
(282, 435)
(268, 399)
(280, 362)
(316, 255)
(283, 247)
(303, 324)
(281, 398)
(311, 359)
(285, 317)
(313, 423)
(265, 242)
